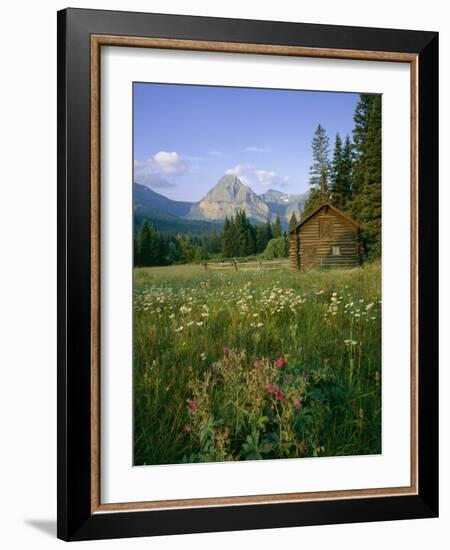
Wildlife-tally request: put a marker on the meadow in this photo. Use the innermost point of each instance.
(256, 364)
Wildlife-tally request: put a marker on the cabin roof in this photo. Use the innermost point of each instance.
(323, 205)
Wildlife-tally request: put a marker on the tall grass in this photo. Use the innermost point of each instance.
(193, 327)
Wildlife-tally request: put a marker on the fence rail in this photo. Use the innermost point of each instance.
(246, 265)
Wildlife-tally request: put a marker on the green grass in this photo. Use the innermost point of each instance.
(185, 317)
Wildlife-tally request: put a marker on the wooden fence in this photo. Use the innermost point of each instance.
(246, 265)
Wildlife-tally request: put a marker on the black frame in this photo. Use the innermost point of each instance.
(75, 521)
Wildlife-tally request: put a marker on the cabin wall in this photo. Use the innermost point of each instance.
(314, 240)
(294, 249)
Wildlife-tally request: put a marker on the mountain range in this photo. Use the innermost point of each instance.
(227, 197)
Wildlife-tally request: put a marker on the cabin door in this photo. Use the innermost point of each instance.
(309, 257)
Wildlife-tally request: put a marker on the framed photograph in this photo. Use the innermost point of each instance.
(247, 252)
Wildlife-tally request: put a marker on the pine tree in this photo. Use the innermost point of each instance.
(214, 242)
(314, 200)
(361, 119)
(242, 234)
(293, 221)
(366, 180)
(261, 238)
(320, 169)
(277, 229)
(347, 166)
(340, 176)
(251, 238)
(146, 244)
(269, 231)
(226, 239)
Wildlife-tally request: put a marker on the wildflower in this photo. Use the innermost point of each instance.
(280, 362)
(226, 351)
(199, 323)
(279, 394)
(350, 342)
(192, 407)
(256, 362)
(187, 428)
(271, 389)
(298, 404)
(214, 367)
(203, 356)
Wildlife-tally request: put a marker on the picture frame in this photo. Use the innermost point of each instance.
(81, 36)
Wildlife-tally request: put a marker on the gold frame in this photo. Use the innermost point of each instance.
(97, 41)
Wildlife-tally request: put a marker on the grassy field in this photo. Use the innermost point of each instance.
(256, 364)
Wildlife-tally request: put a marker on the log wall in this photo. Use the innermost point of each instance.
(311, 243)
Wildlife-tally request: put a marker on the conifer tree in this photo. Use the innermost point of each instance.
(269, 231)
(145, 245)
(277, 229)
(319, 172)
(293, 221)
(227, 251)
(366, 181)
(261, 238)
(242, 234)
(341, 176)
(320, 169)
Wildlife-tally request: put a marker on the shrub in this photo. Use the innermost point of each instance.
(276, 248)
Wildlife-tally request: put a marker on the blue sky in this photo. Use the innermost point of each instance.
(187, 137)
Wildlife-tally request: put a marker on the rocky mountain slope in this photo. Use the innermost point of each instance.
(228, 196)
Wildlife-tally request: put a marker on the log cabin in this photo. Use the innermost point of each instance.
(327, 237)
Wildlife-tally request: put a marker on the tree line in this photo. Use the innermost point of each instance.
(238, 238)
(351, 178)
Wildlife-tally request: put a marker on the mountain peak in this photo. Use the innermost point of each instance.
(229, 186)
(227, 197)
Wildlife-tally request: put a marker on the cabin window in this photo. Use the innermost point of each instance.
(335, 250)
(325, 229)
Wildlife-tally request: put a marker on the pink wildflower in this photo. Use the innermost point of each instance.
(280, 362)
(225, 350)
(192, 407)
(298, 404)
(214, 367)
(187, 427)
(271, 389)
(280, 394)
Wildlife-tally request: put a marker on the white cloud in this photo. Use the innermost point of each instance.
(215, 154)
(243, 172)
(270, 177)
(154, 171)
(252, 176)
(169, 163)
(257, 149)
(238, 170)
